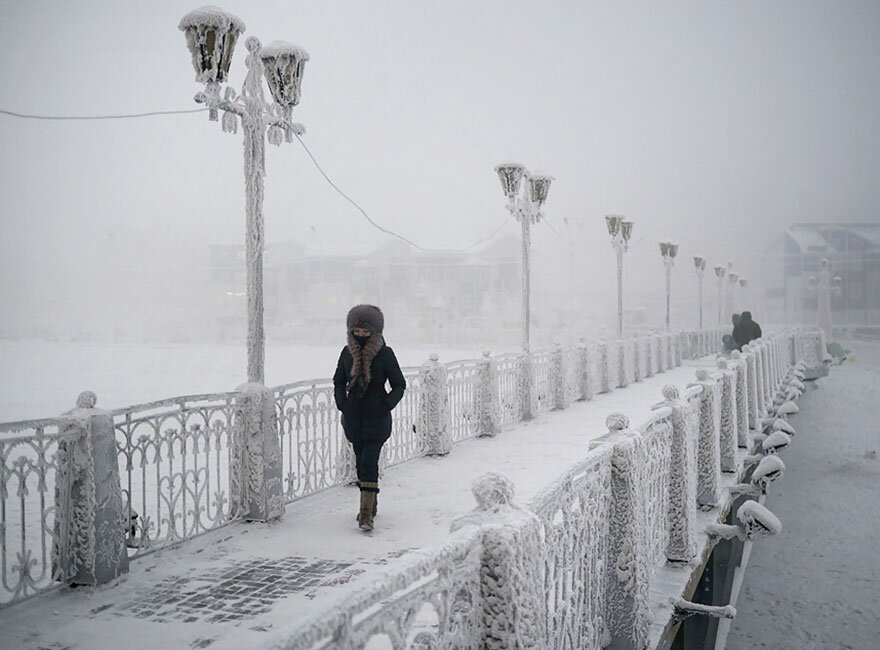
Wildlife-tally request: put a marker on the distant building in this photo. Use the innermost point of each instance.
(306, 287)
(852, 250)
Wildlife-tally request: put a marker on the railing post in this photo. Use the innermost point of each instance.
(526, 383)
(91, 518)
(661, 357)
(742, 401)
(729, 431)
(604, 379)
(557, 376)
(628, 575)
(668, 345)
(489, 411)
(637, 366)
(649, 356)
(708, 458)
(682, 512)
(622, 381)
(434, 408)
(758, 351)
(256, 486)
(511, 567)
(585, 380)
(751, 370)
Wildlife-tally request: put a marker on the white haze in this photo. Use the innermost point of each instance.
(715, 124)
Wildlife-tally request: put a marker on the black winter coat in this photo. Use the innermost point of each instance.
(369, 417)
(746, 330)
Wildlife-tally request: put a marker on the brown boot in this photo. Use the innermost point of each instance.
(365, 516)
(375, 507)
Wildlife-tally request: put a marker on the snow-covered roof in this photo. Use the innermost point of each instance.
(283, 48)
(808, 240)
(213, 17)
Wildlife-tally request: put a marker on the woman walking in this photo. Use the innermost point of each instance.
(365, 365)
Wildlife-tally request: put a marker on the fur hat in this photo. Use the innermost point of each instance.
(368, 317)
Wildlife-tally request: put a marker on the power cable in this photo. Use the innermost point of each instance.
(124, 116)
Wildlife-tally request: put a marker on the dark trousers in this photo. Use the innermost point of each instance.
(366, 453)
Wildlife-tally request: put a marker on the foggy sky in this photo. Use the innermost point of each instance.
(711, 123)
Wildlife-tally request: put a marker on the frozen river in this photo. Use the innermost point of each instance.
(42, 379)
(817, 585)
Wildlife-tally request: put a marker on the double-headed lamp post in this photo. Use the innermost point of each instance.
(211, 35)
(668, 250)
(525, 206)
(700, 269)
(621, 231)
(720, 272)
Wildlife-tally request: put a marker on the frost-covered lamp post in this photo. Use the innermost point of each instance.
(731, 289)
(211, 35)
(621, 232)
(668, 250)
(525, 206)
(720, 272)
(700, 269)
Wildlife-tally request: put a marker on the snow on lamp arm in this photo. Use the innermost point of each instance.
(211, 35)
(700, 270)
(524, 202)
(621, 231)
(669, 250)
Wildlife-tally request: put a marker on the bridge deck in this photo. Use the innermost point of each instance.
(230, 587)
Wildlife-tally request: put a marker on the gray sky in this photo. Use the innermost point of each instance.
(706, 122)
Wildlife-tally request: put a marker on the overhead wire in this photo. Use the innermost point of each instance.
(305, 147)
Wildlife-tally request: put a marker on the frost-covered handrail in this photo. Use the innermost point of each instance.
(28, 465)
(175, 460)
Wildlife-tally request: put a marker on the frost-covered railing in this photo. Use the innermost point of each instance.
(583, 553)
(29, 458)
(462, 386)
(188, 465)
(174, 464)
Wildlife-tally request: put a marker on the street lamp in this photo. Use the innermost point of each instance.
(720, 272)
(668, 250)
(700, 269)
(621, 232)
(743, 283)
(211, 35)
(731, 287)
(525, 206)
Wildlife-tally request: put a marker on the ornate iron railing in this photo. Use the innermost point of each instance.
(30, 454)
(509, 396)
(573, 511)
(174, 465)
(656, 464)
(462, 389)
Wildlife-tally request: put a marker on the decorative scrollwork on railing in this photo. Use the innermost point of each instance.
(29, 459)
(174, 465)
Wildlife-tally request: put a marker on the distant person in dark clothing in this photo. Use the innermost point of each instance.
(365, 365)
(746, 330)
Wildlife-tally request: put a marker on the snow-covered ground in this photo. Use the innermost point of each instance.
(817, 584)
(42, 379)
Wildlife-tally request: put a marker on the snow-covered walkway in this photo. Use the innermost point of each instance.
(230, 587)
